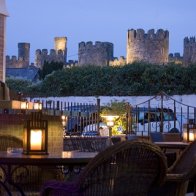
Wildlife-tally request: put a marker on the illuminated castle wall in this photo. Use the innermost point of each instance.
(189, 56)
(23, 59)
(99, 53)
(147, 47)
(59, 54)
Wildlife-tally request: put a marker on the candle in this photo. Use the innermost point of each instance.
(36, 140)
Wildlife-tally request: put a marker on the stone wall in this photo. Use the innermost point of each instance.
(189, 56)
(118, 61)
(42, 55)
(59, 54)
(2, 48)
(175, 58)
(147, 47)
(98, 54)
(23, 59)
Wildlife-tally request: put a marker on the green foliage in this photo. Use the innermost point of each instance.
(18, 85)
(116, 109)
(130, 80)
(49, 68)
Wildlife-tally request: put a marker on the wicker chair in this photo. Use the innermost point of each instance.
(7, 141)
(30, 177)
(179, 174)
(89, 143)
(160, 137)
(126, 168)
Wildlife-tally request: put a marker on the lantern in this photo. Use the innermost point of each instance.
(110, 121)
(35, 139)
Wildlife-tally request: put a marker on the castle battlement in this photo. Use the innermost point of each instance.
(189, 56)
(45, 52)
(151, 34)
(99, 53)
(58, 54)
(121, 61)
(43, 55)
(189, 40)
(97, 44)
(151, 47)
(23, 57)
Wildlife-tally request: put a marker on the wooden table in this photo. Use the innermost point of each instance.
(172, 145)
(10, 162)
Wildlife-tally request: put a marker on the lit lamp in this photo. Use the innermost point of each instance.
(110, 121)
(64, 120)
(23, 105)
(35, 139)
(37, 106)
(189, 136)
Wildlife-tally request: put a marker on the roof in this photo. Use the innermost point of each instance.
(3, 9)
(28, 73)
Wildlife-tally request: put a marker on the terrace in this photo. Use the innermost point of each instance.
(64, 153)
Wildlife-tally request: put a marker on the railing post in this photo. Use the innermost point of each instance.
(98, 113)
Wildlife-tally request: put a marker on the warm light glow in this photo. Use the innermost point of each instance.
(30, 105)
(110, 119)
(63, 117)
(15, 104)
(23, 105)
(110, 123)
(37, 106)
(36, 140)
(191, 136)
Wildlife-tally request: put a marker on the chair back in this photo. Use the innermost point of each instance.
(126, 168)
(90, 143)
(186, 162)
(156, 137)
(7, 141)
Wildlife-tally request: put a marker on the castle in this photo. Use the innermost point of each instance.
(147, 47)
(23, 57)
(59, 54)
(99, 53)
(189, 50)
(151, 47)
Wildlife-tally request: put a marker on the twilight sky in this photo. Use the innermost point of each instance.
(39, 21)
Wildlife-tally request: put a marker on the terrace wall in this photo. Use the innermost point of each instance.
(13, 124)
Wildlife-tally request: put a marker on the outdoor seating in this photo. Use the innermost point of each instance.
(90, 143)
(179, 174)
(29, 177)
(159, 137)
(174, 137)
(126, 168)
(8, 141)
(156, 137)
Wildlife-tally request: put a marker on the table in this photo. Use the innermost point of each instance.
(16, 168)
(172, 145)
(172, 150)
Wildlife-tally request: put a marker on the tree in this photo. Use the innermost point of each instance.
(49, 68)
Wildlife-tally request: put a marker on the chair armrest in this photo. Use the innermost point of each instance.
(176, 177)
(54, 187)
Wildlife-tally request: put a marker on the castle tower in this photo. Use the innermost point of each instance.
(3, 15)
(24, 52)
(101, 53)
(61, 45)
(189, 56)
(147, 47)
